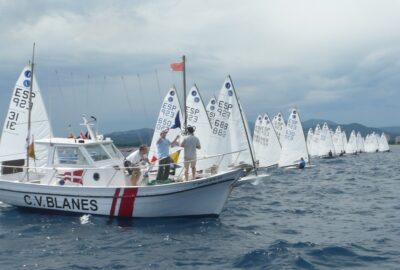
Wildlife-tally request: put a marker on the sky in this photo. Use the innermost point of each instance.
(332, 59)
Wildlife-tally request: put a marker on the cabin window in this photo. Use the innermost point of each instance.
(68, 156)
(97, 153)
(113, 151)
(8, 169)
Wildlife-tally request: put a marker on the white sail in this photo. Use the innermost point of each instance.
(310, 135)
(197, 117)
(229, 125)
(351, 147)
(315, 142)
(344, 140)
(169, 118)
(211, 107)
(279, 126)
(257, 138)
(325, 142)
(360, 143)
(372, 144)
(266, 143)
(367, 143)
(383, 144)
(13, 145)
(338, 140)
(293, 142)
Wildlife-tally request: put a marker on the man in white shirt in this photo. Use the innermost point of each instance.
(190, 145)
(135, 159)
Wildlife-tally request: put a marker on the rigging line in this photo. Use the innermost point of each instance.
(104, 94)
(158, 84)
(63, 100)
(130, 105)
(142, 98)
(173, 79)
(87, 95)
(74, 99)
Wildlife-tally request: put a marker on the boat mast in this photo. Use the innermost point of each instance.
(184, 95)
(28, 137)
(244, 125)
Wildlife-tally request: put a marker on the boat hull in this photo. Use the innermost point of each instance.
(205, 196)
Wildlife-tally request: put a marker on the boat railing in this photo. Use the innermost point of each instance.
(50, 174)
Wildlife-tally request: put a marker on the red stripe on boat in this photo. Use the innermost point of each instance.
(127, 202)
(114, 202)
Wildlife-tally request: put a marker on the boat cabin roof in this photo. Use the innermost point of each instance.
(72, 141)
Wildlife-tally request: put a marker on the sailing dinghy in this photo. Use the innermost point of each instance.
(266, 144)
(294, 145)
(383, 143)
(351, 147)
(326, 149)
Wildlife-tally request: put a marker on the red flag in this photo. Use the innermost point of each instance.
(153, 159)
(177, 66)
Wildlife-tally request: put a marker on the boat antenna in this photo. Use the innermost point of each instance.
(244, 125)
(28, 137)
(184, 95)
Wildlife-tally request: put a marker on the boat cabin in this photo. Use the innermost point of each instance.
(81, 162)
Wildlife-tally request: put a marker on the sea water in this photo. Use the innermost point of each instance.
(342, 213)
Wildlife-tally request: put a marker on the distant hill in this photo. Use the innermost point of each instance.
(144, 135)
(131, 137)
(395, 130)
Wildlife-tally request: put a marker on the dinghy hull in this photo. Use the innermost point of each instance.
(205, 196)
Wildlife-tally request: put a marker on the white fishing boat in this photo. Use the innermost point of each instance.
(88, 175)
(266, 144)
(294, 147)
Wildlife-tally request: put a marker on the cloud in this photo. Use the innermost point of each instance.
(317, 55)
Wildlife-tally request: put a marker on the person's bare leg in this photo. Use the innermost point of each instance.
(194, 172)
(186, 173)
(134, 178)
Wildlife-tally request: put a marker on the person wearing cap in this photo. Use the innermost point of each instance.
(164, 162)
(190, 145)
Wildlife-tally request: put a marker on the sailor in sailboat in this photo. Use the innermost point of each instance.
(302, 163)
(134, 160)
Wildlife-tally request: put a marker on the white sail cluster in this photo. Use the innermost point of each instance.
(221, 127)
(277, 143)
(326, 143)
